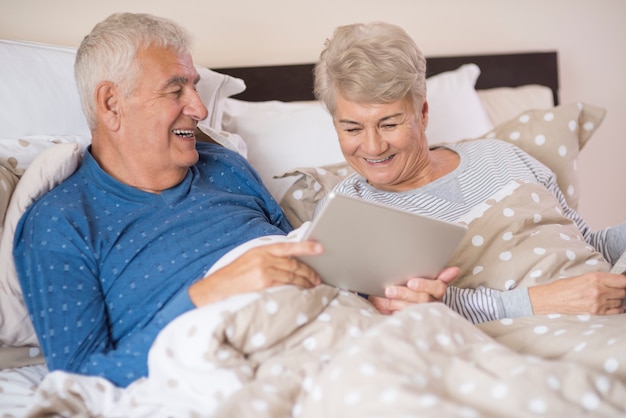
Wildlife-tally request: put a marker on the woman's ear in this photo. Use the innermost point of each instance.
(107, 104)
(425, 114)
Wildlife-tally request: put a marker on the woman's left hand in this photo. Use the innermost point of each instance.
(416, 290)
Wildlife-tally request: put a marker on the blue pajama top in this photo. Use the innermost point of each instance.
(105, 266)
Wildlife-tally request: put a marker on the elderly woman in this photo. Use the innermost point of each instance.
(372, 79)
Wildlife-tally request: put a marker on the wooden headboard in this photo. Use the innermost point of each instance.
(295, 82)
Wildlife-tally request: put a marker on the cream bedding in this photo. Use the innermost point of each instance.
(327, 352)
(520, 238)
(324, 352)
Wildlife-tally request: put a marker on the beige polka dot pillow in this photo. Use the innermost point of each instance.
(301, 199)
(553, 136)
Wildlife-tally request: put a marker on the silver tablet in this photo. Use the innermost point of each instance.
(369, 246)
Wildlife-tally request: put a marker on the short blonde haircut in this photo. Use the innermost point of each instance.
(370, 63)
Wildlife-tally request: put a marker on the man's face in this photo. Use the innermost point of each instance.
(159, 116)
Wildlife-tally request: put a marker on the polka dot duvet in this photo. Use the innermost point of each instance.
(326, 353)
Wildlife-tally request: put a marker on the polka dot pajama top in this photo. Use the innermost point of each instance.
(104, 266)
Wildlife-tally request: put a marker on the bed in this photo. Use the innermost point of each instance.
(287, 352)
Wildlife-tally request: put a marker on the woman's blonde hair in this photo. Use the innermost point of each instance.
(370, 63)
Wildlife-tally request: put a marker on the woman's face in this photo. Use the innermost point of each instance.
(385, 143)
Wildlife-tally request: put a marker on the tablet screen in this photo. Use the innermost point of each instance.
(369, 246)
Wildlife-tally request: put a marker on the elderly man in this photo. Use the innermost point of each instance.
(122, 247)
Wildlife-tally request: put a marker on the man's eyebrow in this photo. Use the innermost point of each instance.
(178, 80)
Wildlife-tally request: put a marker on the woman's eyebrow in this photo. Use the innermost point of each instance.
(395, 115)
(383, 119)
(348, 121)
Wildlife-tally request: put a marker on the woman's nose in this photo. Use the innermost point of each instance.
(373, 142)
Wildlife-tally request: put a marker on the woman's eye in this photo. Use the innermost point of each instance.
(390, 126)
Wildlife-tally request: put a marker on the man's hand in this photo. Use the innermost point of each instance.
(257, 269)
(595, 293)
(416, 290)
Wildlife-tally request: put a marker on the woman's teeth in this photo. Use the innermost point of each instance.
(379, 160)
(184, 133)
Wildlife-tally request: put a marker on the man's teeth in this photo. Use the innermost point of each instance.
(379, 160)
(185, 133)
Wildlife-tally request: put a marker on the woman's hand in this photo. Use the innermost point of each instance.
(416, 290)
(257, 269)
(596, 293)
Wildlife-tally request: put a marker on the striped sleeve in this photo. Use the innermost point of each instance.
(483, 304)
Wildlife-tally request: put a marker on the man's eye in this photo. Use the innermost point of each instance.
(389, 126)
(353, 130)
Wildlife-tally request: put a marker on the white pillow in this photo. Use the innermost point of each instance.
(38, 91)
(281, 136)
(51, 167)
(213, 88)
(455, 111)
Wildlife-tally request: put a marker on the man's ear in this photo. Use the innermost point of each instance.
(107, 104)
(425, 114)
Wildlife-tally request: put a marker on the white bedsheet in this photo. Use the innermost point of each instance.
(17, 388)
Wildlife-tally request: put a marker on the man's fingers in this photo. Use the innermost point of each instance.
(302, 275)
(290, 269)
(293, 249)
(284, 267)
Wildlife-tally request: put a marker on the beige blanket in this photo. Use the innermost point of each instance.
(327, 353)
(520, 238)
(288, 352)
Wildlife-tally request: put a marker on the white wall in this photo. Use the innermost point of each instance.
(590, 36)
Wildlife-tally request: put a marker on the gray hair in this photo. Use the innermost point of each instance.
(370, 63)
(108, 53)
